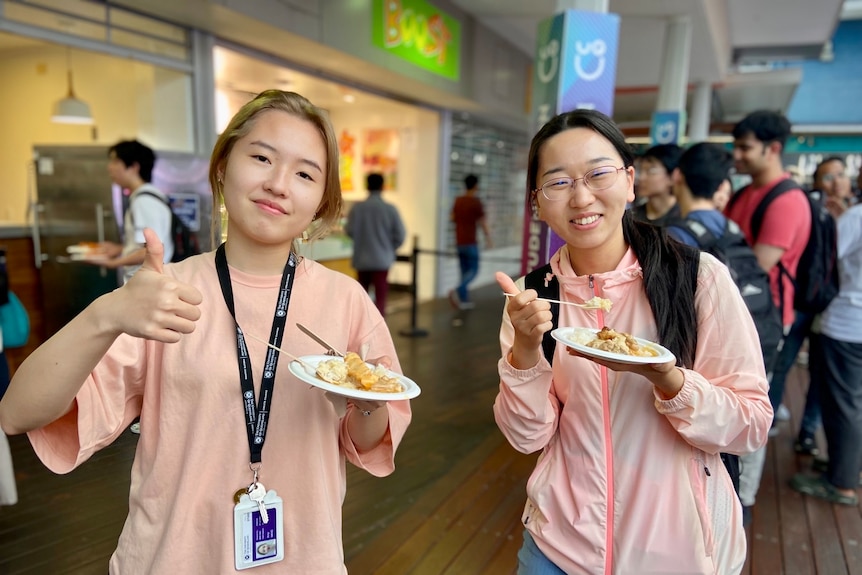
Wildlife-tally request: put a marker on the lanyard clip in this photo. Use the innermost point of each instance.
(255, 468)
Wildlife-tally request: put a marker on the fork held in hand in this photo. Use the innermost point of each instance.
(319, 340)
(588, 305)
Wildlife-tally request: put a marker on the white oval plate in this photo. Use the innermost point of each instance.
(578, 337)
(307, 375)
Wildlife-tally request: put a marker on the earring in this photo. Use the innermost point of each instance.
(304, 235)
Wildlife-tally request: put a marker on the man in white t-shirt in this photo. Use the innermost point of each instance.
(130, 165)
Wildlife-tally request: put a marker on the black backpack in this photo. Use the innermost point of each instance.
(547, 286)
(185, 240)
(732, 250)
(816, 281)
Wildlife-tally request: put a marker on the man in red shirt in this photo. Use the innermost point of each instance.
(468, 213)
(758, 142)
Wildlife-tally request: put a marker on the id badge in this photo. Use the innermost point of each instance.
(258, 542)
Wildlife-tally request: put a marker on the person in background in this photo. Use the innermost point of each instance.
(468, 213)
(832, 186)
(630, 479)
(837, 361)
(377, 232)
(831, 179)
(722, 194)
(130, 165)
(701, 172)
(655, 185)
(8, 486)
(183, 346)
(759, 140)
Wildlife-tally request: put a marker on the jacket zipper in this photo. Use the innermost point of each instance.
(609, 459)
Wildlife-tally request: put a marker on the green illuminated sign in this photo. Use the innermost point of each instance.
(419, 33)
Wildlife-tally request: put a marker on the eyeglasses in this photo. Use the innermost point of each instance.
(833, 177)
(650, 171)
(598, 179)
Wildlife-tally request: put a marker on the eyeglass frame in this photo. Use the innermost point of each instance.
(833, 177)
(573, 182)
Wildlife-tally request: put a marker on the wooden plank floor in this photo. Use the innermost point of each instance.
(454, 502)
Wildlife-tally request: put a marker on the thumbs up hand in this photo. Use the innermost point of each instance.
(155, 306)
(154, 260)
(530, 318)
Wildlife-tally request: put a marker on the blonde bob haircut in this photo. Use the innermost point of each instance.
(329, 210)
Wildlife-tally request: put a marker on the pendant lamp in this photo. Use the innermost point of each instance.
(71, 110)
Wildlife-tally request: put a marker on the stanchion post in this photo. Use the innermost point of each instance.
(414, 331)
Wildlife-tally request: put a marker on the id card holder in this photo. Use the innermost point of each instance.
(258, 543)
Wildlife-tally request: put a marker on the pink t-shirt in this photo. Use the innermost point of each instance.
(786, 225)
(193, 451)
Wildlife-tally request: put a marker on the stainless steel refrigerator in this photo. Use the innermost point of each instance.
(76, 202)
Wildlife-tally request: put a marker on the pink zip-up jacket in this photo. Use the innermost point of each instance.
(627, 483)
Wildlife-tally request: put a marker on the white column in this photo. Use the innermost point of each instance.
(203, 92)
(701, 113)
(673, 83)
(585, 5)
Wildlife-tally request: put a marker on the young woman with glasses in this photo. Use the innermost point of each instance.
(630, 479)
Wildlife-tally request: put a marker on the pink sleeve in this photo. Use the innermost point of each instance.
(787, 218)
(526, 409)
(107, 403)
(379, 461)
(723, 404)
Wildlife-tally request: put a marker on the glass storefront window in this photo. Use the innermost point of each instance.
(128, 98)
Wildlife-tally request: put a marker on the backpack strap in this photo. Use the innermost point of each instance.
(705, 239)
(165, 201)
(757, 221)
(760, 211)
(546, 284)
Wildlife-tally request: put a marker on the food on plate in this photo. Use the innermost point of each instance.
(620, 342)
(353, 373)
(83, 248)
(597, 302)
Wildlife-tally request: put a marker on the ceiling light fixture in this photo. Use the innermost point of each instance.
(71, 110)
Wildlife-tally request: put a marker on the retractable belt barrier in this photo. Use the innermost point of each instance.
(413, 288)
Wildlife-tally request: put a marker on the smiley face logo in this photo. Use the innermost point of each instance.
(590, 55)
(548, 61)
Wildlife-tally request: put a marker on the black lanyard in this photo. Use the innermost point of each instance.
(257, 416)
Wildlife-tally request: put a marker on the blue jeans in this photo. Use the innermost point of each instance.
(468, 259)
(531, 560)
(787, 356)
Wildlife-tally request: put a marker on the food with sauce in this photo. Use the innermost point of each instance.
(620, 342)
(353, 373)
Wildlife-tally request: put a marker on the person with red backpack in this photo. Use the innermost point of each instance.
(780, 238)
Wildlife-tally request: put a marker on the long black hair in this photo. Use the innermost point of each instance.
(669, 267)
